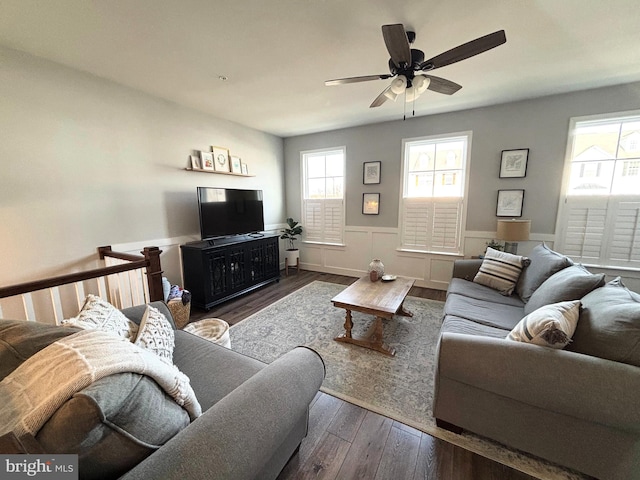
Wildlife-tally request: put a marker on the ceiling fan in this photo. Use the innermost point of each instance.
(406, 65)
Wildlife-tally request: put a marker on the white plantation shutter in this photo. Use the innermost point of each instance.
(625, 234)
(584, 223)
(416, 219)
(323, 220)
(313, 220)
(433, 224)
(601, 230)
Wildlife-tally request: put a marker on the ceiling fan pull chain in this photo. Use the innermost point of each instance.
(404, 106)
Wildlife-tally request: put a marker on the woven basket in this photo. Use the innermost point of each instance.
(179, 312)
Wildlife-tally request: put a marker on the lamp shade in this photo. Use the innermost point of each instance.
(513, 230)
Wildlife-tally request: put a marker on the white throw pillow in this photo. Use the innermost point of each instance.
(156, 334)
(549, 326)
(98, 314)
(500, 270)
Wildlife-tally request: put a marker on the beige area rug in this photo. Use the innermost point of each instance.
(399, 387)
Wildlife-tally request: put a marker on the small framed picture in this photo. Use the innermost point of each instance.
(236, 165)
(221, 159)
(195, 162)
(514, 163)
(244, 168)
(510, 203)
(370, 173)
(206, 161)
(370, 203)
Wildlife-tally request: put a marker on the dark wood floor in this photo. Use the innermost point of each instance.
(349, 442)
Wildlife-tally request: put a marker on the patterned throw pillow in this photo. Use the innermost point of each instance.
(156, 334)
(98, 314)
(500, 270)
(549, 326)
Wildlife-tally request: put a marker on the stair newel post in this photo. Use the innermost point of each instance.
(154, 273)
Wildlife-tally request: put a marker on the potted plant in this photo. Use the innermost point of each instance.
(290, 234)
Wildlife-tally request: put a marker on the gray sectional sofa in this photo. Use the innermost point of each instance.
(578, 406)
(124, 426)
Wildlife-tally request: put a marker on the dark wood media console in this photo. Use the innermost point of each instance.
(218, 270)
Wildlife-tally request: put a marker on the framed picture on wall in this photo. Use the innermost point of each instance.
(370, 203)
(514, 163)
(244, 168)
(510, 203)
(221, 159)
(371, 173)
(236, 165)
(206, 160)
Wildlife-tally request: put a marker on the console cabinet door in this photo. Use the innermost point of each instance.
(215, 273)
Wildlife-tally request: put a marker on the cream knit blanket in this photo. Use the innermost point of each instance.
(37, 388)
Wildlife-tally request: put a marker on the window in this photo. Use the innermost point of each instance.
(433, 191)
(599, 214)
(323, 195)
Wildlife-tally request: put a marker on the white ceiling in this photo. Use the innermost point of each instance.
(277, 54)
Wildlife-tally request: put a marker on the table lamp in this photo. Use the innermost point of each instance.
(513, 231)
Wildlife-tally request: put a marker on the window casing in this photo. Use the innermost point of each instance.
(323, 195)
(599, 212)
(434, 186)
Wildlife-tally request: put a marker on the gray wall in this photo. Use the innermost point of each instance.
(539, 124)
(87, 162)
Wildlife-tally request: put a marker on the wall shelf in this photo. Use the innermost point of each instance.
(219, 173)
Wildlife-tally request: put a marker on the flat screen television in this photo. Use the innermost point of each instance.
(225, 211)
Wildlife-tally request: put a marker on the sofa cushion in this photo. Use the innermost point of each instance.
(609, 325)
(549, 326)
(156, 334)
(475, 290)
(99, 314)
(113, 424)
(19, 340)
(481, 311)
(453, 324)
(544, 263)
(500, 270)
(571, 283)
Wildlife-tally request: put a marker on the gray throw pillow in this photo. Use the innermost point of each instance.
(113, 424)
(609, 325)
(544, 263)
(20, 339)
(571, 283)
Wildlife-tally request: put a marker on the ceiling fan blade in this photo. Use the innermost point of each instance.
(395, 38)
(442, 85)
(365, 78)
(380, 99)
(466, 50)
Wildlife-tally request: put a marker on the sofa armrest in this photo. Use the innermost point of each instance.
(237, 436)
(466, 269)
(543, 377)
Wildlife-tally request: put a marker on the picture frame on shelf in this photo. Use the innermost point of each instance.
(513, 163)
(236, 165)
(206, 161)
(510, 203)
(221, 159)
(371, 173)
(195, 162)
(370, 203)
(244, 168)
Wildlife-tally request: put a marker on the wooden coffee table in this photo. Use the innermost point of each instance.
(382, 299)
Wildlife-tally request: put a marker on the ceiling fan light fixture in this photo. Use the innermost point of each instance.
(421, 83)
(411, 94)
(399, 84)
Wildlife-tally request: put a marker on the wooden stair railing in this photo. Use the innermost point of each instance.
(149, 262)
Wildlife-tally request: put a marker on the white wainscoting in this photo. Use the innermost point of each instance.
(362, 244)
